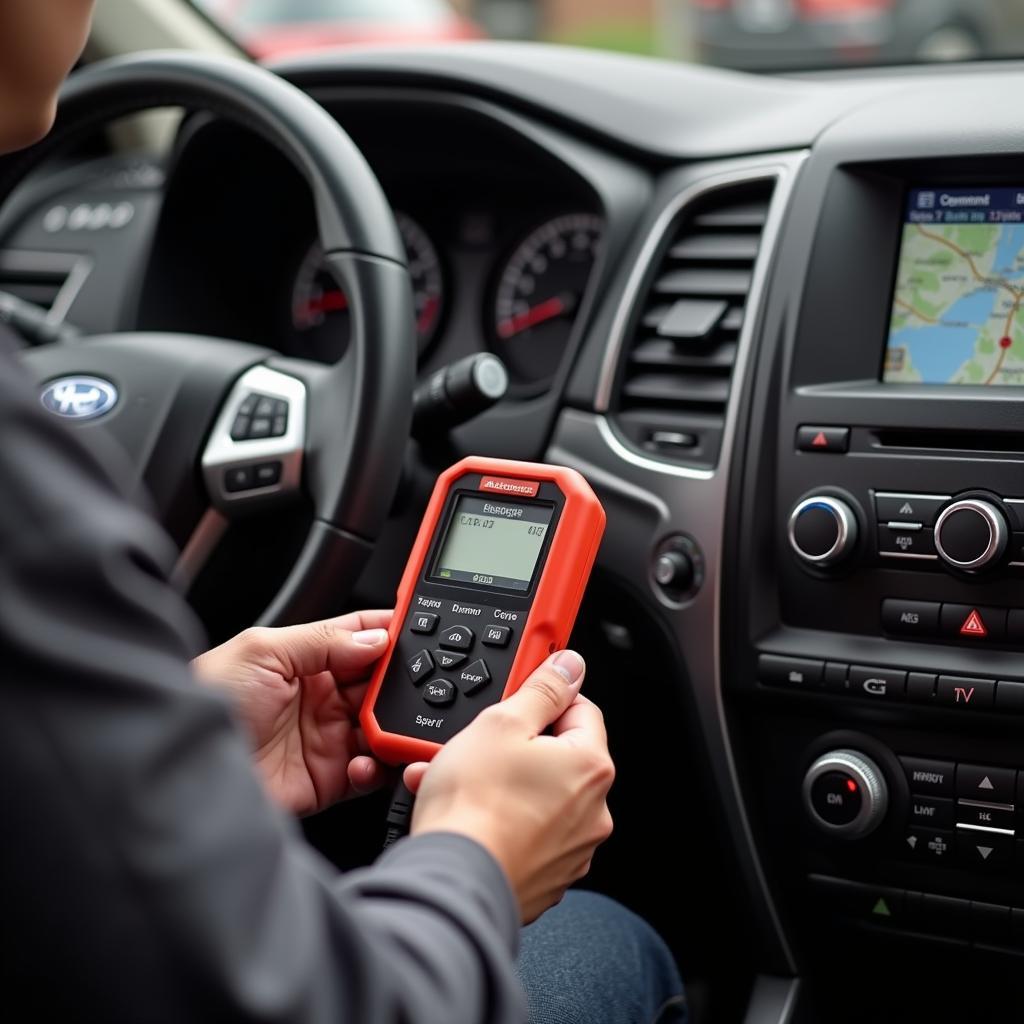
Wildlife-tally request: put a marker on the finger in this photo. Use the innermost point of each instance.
(413, 776)
(366, 774)
(548, 692)
(582, 724)
(329, 646)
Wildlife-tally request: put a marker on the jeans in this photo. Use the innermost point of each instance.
(591, 961)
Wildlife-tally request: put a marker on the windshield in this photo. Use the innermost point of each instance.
(749, 35)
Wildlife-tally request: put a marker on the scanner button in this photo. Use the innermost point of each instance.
(458, 637)
(497, 636)
(448, 659)
(424, 622)
(438, 692)
(419, 666)
(474, 677)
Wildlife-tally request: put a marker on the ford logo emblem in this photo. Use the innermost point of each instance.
(79, 398)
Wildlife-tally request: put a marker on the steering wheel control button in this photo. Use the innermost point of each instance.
(990, 785)
(239, 478)
(448, 659)
(424, 622)
(909, 508)
(931, 812)
(965, 694)
(823, 439)
(836, 798)
(459, 638)
(419, 666)
(905, 540)
(929, 778)
(267, 474)
(439, 693)
(910, 618)
(474, 678)
(497, 636)
(971, 534)
(802, 673)
(246, 432)
(846, 794)
(822, 530)
(973, 622)
(878, 683)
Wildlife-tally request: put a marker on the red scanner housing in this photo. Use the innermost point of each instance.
(492, 587)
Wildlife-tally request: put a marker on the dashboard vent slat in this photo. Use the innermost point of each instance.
(682, 345)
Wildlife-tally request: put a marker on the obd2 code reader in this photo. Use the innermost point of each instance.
(492, 587)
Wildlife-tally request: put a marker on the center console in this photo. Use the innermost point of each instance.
(874, 628)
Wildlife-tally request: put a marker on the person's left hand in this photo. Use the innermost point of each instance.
(297, 691)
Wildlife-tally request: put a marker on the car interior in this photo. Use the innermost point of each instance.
(708, 290)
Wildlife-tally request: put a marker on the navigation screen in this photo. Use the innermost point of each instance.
(493, 543)
(956, 312)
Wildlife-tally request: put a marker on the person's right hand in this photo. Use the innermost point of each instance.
(536, 802)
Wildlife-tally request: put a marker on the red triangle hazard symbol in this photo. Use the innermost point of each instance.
(973, 626)
(820, 440)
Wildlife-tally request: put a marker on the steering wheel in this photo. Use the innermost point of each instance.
(233, 420)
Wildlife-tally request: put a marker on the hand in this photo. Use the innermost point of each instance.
(537, 802)
(297, 691)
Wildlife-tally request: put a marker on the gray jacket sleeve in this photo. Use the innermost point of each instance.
(146, 875)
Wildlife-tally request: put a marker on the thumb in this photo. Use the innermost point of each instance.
(328, 646)
(548, 692)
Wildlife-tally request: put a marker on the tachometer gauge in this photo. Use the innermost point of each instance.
(539, 292)
(320, 315)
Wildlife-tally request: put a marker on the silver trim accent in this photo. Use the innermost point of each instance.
(846, 533)
(198, 549)
(222, 453)
(75, 267)
(997, 532)
(904, 527)
(588, 441)
(904, 494)
(986, 828)
(874, 798)
(900, 554)
(987, 805)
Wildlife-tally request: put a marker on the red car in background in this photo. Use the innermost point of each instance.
(273, 28)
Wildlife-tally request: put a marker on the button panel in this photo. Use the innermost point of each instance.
(436, 687)
(260, 416)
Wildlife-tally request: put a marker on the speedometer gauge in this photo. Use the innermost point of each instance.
(539, 293)
(320, 314)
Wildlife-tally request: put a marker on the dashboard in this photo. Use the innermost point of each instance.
(778, 325)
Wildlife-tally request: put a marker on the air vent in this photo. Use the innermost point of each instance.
(682, 343)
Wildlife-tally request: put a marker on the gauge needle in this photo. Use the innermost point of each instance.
(333, 301)
(557, 305)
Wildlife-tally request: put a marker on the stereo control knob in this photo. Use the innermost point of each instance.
(822, 530)
(845, 794)
(971, 534)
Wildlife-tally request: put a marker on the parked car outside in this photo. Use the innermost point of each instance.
(274, 28)
(761, 35)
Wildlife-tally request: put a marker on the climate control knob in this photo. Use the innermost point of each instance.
(845, 794)
(971, 534)
(822, 530)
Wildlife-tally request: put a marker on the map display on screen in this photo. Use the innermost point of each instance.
(958, 305)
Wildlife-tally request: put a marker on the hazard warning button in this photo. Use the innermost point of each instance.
(823, 439)
(975, 623)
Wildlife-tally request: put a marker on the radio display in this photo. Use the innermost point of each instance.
(957, 315)
(492, 543)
